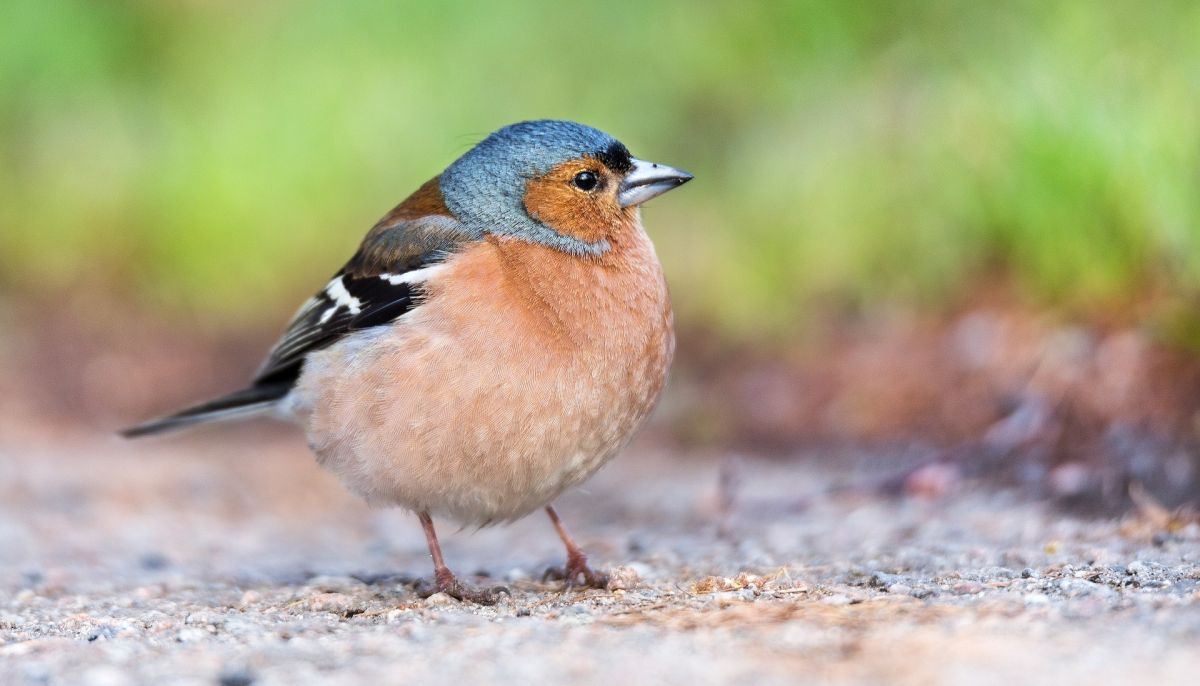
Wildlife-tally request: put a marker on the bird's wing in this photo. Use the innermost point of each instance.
(381, 282)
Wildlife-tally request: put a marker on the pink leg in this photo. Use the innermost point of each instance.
(577, 572)
(444, 579)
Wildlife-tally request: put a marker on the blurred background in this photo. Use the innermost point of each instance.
(960, 238)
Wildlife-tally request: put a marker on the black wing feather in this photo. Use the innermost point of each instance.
(365, 293)
(324, 320)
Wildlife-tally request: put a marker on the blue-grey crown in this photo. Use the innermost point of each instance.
(485, 188)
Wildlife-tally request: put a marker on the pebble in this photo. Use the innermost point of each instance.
(153, 561)
(191, 634)
(102, 633)
(1073, 588)
(623, 579)
(883, 579)
(967, 588)
(440, 600)
(235, 676)
(337, 603)
(204, 619)
(1157, 583)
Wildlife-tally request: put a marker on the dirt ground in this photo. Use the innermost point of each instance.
(231, 558)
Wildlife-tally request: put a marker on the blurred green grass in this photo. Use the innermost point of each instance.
(217, 159)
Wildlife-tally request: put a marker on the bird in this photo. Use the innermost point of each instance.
(496, 339)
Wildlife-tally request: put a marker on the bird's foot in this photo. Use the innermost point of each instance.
(449, 584)
(577, 574)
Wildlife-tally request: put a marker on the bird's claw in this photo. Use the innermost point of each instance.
(451, 586)
(577, 574)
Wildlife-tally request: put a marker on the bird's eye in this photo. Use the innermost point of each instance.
(585, 180)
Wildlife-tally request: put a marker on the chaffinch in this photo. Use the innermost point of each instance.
(496, 339)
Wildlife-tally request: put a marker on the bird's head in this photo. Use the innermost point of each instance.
(557, 183)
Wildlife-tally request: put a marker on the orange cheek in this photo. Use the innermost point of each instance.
(586, 217)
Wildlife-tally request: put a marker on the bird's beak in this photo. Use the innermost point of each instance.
(648, 180)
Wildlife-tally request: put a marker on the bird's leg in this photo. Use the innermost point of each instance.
(577, 567)
(444, 579)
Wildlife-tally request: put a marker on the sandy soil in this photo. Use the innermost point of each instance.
(231, 558)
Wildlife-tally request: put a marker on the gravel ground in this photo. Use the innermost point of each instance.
(233, 559)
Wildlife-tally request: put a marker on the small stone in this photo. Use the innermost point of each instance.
(1028, 573)
(190, 634)
(439, 599)
(102, 632)
(337, 603)
(967, 588)
(1074, 588)
(1140, 568)
(932, 480)
(148, 592)
(883, 580)
(836, 600)
(623, 579)
(153, 561)
(204, 619)
(235, 676)
(899, 589)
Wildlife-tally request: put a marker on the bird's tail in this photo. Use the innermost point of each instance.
(237, 405)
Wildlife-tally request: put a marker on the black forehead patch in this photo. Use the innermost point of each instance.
(616, 157)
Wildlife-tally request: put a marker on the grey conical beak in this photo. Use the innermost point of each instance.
(649, 180)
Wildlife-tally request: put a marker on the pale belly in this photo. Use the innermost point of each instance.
(473, 421)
